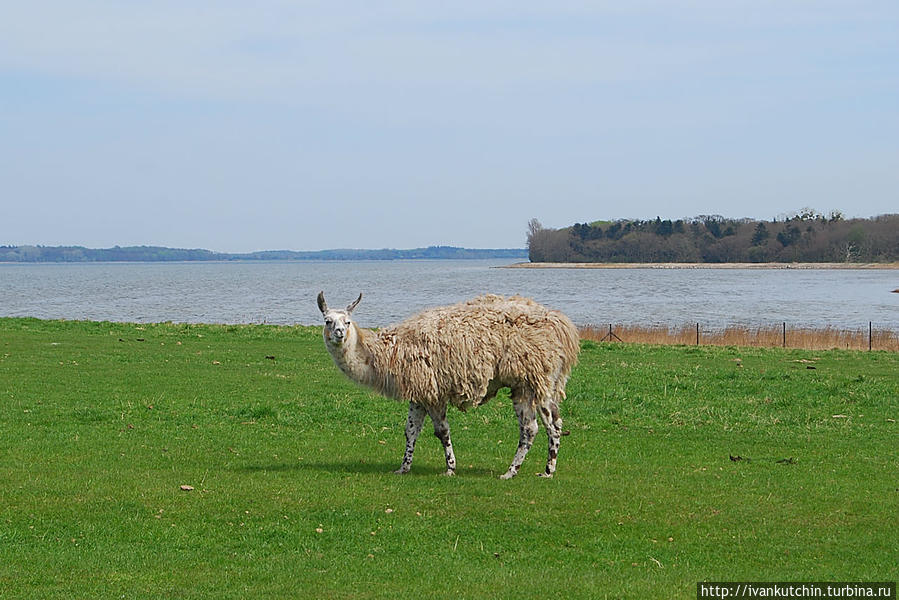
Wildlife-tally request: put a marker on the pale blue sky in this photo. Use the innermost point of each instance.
(240, 126)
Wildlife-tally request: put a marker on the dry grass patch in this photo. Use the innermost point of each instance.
(825, 338)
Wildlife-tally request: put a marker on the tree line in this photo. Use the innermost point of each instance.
(806, 236)
(162, 254)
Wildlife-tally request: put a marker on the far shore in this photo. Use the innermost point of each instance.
(805, 266)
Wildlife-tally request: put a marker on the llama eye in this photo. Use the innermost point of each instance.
(329, 322)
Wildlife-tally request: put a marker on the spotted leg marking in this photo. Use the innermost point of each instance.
(527, 422)
(413, 427)
(442, 431)
(549, 416)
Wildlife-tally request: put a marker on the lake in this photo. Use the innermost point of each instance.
(284, 292)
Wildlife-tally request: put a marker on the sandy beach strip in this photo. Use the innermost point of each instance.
(805, 266)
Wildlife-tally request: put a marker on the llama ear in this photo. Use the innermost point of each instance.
(322, 305)
(352, 306)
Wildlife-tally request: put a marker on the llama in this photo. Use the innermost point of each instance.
(462, 355)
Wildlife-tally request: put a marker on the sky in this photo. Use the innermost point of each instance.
(237, 126)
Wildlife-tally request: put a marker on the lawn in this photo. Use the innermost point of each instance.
(683, 464)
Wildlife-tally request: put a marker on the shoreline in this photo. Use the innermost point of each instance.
(768, 266)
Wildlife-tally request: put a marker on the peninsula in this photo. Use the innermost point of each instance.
(804, 237)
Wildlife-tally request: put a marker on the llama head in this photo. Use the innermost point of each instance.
(337, 322)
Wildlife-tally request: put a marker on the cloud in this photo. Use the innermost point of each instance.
(245, 49)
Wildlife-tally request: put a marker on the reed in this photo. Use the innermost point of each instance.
(824, 338)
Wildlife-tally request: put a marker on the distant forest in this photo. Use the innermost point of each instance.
(159, 254)
(804, 237)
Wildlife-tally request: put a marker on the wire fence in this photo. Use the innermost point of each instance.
(780, 335)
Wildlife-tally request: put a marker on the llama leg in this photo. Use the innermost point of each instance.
(549, 416)
(413, 428)
(527, 422)
(442, 431)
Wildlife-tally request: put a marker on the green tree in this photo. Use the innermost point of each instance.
(761, 234)
(789, 236)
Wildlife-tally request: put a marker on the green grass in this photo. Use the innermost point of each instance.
(101, 423)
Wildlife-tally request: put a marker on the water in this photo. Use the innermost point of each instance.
(284, 292)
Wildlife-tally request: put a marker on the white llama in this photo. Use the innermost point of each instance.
(462, 355)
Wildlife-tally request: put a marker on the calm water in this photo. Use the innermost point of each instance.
(284, 292)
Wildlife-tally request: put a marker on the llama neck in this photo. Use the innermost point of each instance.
(353, 357)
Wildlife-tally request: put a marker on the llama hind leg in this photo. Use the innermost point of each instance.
(527, 422)
(442, 431)
(413, 428)
(549, 416)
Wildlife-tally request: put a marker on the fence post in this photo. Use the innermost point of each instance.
(697, 334)
(611, 336)
(870, 336)
(785, 334)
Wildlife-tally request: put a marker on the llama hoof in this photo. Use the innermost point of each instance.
(507, 475)
(449, 473)
(401, 471)
(545, 475)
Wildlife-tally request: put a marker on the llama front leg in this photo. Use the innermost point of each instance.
(442, 431)
(527, 422)
(413, 428)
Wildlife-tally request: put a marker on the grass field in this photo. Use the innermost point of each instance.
(683, 464)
